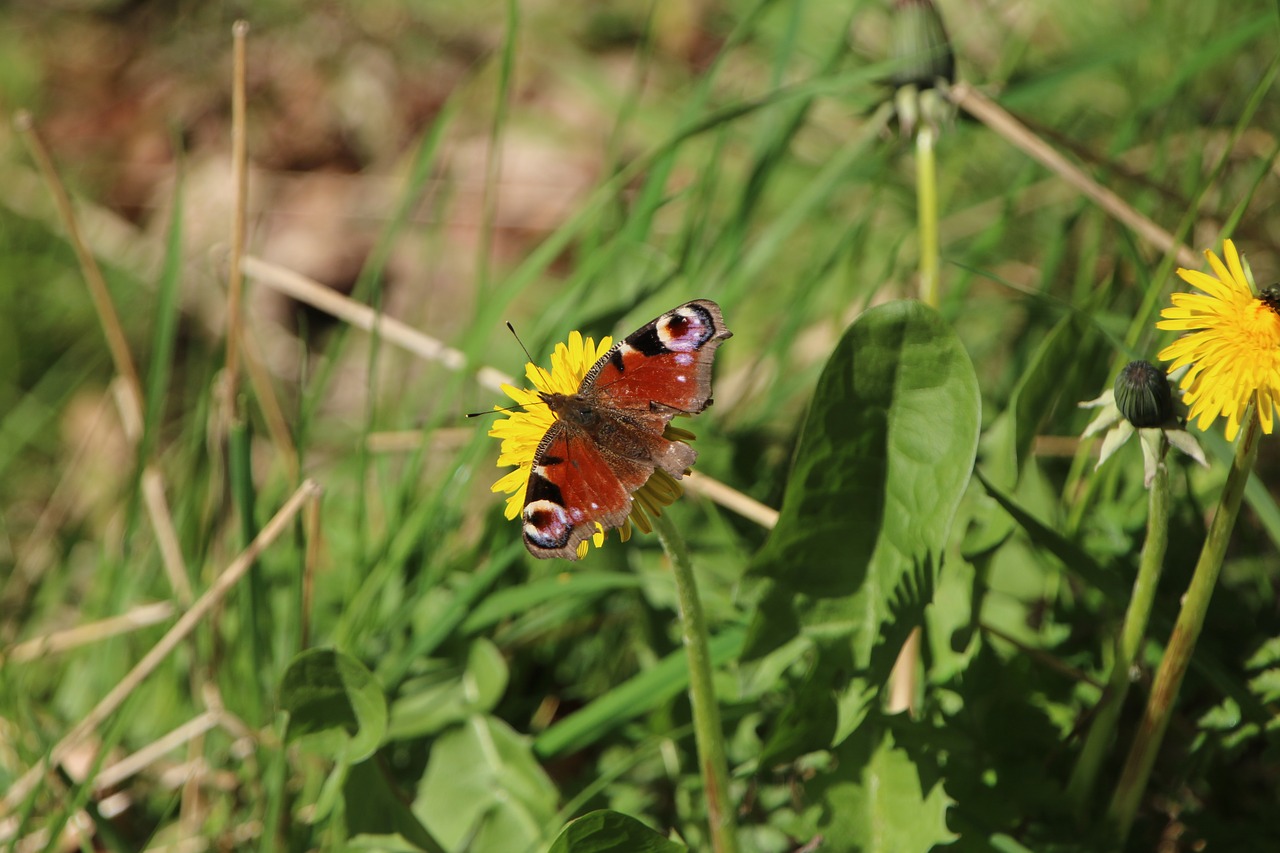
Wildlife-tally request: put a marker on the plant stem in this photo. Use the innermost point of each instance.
(1135, 626)
(927, 214)
(902, 680)
(240, 441)
(706, 713)
(1182, 642)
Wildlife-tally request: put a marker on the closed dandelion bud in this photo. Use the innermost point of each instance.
(923, 61)
(921, 50)
(1143, 395)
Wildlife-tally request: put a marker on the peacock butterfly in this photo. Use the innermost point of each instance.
(607, 438)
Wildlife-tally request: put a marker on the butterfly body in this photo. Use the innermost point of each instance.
(607, 438)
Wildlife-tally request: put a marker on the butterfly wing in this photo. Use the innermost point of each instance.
(575, 484)
(665, 366)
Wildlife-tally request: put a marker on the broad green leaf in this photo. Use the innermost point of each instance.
(428, 705)
(329, 693)
(874, 801)
(484, 787)
(378, 813)
(884, 456)
(611, 832)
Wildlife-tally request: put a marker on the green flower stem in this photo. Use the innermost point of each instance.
(706, 713)
(1136, 618)
(1182, 642)
(927, 214)
(256, 615)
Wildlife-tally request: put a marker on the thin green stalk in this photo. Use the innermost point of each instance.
(1182, 642)
(493, 162)
(1136, 618)
(927, 215)
(706, 713)
(902, 680)
(275, 778)
(255, 594)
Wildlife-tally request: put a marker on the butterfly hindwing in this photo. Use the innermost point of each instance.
(573, 485)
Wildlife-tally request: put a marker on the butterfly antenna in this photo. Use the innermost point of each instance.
(545, 374)
(510, 408)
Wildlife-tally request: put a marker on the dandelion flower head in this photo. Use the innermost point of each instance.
(1232, 345)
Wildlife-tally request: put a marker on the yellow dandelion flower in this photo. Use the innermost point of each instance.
(1233, 345)
(522, 431)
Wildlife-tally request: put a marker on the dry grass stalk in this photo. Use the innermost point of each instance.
(239, 175)
(990, 113)
(130, 392)
(60, 641)
(179, 632)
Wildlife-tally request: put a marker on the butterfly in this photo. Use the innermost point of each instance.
(607, 438)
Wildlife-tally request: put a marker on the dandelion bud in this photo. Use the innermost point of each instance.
(923, 61)
(1143, 395)
(921, 49)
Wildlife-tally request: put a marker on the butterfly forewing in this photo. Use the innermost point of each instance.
(666, 362)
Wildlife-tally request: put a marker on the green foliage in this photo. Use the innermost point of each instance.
(429, 703)
(331, 695)
(377, 817)
(876, 798)
(484, 790)
(611, 832)
(884, 457)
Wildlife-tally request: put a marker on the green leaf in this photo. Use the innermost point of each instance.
(884, 456)
(376, 812)
(428, 705)
(334, 702)
(484, 790)
(875, 800)
(606, 831)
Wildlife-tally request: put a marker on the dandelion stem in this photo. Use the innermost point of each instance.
(706, 713)
(927, 214)
(1136, 618)
(1182, 642)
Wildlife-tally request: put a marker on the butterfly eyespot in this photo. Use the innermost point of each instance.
(686, 330)
(546, 525)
